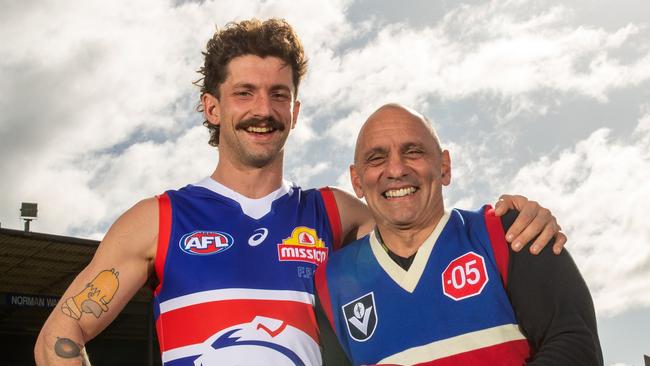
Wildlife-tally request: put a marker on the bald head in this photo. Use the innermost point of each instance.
(400, 169)
(394, 114)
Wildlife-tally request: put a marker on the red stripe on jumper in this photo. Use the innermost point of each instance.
(164, 232)
(196, 323)
(333, 215)
(320, 281)
(498, 241)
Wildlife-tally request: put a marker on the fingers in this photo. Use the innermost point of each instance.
(507, 201)
(560, 241)
(544, 237)
(526, 226)
(534, 222)
(542, 229)
(501, 207)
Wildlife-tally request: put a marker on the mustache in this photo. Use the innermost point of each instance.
(268, 121)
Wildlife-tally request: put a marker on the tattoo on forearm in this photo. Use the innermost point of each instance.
(94, 298)
(67, 348)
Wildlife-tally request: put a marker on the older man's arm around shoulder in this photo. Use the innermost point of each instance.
(554, 308)
(121, 265)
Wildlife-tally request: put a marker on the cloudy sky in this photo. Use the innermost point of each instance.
(550, 99)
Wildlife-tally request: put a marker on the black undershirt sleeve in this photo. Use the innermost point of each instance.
(553, 306)
(333, 353)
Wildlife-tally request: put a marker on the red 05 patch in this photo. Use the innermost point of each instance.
(464, 277)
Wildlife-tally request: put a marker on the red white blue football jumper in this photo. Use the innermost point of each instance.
(449, 308)
(236, 274)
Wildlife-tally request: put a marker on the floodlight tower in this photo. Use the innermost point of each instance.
(28, 212)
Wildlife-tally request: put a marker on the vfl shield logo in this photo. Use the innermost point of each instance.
(361, 317)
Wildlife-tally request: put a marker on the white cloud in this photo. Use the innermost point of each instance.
(97, 100)
(501, 49)
(83, 194)
(146, 168)
(599, 191)
(343, 181)
(302, 174)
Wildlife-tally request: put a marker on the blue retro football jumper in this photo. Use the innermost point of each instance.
(449, 308)
(236, 274)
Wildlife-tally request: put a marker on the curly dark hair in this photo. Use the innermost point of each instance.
(272, 37)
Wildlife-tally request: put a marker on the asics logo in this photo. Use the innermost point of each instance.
(259, 236)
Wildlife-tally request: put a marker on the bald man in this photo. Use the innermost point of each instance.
(435, 287)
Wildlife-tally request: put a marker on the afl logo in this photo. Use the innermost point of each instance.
(205, 242)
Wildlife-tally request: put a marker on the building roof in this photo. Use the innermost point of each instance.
(43, 265)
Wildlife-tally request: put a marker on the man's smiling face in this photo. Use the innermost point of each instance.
(400, 169)
(256, 110)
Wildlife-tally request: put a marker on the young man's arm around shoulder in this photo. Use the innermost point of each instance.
(535, 223)
(356, 219)
(121, 266)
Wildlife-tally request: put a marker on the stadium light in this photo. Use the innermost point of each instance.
(28, 212)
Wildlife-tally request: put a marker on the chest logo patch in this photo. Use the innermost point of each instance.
(259, 236)
(361, 317)
(464, 277)
(206, 242)
(303, 245)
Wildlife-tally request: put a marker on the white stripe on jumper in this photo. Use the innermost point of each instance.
(235, 294)
(182, 352)
(455, 345)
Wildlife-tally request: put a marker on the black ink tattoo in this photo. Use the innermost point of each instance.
(67, 348)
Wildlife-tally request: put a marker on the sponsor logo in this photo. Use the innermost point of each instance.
(464, 277)
(361, 317)
(303, 245)
(259, 236)
(205, 242)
